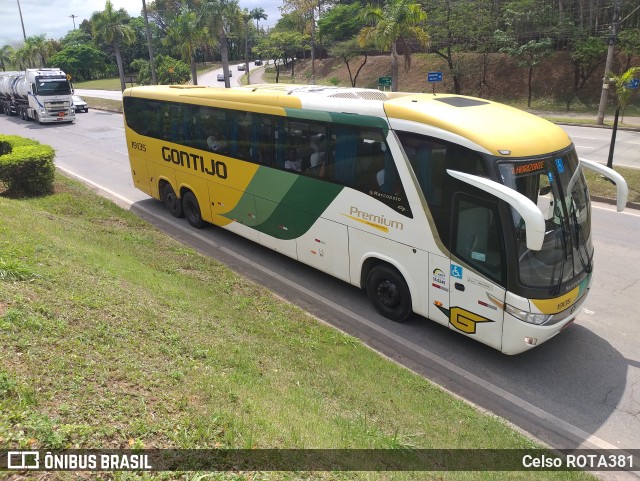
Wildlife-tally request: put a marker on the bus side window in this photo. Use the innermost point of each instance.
(210, 129)
(344, 162)
(262, 141)
(476, 236)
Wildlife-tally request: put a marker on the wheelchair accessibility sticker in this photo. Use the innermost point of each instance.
(456, 271)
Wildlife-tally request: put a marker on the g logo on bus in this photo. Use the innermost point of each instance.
(463, 320)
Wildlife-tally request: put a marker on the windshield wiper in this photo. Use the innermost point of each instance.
(588, 265)
(565, 251)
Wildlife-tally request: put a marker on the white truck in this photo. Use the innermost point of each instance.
(41, 94)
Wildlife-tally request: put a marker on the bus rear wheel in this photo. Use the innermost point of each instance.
(192, 210)
(171, 201)
(389, 293)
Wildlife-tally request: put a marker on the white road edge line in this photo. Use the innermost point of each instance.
(521, 403)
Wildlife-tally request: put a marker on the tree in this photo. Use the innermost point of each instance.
(258, 14)
(629, 43)
(624, 94)
(221, 17)
(347, 51)
(587, 55)
(281, 45)
(184, 33)
(39, 49)
(6, 53)
(527, 55)
(20, 58)
(395, 24)
(341, 23)
(110, 26)
(75, 37)
(169, 70)
(82, 62)
(531, 15)
(457, 27)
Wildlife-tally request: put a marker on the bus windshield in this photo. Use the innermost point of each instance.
(558, 187)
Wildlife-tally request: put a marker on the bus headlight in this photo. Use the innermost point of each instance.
(527, 316)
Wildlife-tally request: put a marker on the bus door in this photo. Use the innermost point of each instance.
(476, 270)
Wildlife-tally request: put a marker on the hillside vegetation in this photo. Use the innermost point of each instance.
(488, 76)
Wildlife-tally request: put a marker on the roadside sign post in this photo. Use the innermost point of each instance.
(384, 82)
(432, 78)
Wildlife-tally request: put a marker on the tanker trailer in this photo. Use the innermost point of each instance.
(43, 95)
(7, 104)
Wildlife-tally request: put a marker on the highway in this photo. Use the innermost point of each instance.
(581, 389)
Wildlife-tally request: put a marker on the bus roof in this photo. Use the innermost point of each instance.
(496, 127)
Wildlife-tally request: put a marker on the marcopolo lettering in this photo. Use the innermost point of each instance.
(196, 162)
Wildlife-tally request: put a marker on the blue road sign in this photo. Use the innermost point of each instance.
(634, 84)
(434, 76)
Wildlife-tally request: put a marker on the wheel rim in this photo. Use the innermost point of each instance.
(388, 294)
(172, 201)
(192, 210)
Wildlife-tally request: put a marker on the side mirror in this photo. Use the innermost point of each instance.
(622, 190)
(533, 219)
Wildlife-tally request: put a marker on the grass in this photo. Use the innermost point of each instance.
(104, 104)
(112, 83)
(598, 186)
(114, 335)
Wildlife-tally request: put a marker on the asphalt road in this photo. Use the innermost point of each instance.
(581, 389)
(593, 143)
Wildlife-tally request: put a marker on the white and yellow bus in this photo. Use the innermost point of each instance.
(467, 212)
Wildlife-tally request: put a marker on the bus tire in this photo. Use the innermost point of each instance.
(171, 201)
(389, 293)
(192, 210)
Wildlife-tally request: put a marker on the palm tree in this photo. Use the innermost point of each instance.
(258, 14)
(185, 34)
(20, 57)
(624, 93)
(395, 24)
(221, 17)
(39, 49)
(5, 56)
(111, 27)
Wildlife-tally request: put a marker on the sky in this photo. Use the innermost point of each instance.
(53, 17)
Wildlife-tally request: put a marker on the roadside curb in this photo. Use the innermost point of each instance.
(607, 200)
(594, 126)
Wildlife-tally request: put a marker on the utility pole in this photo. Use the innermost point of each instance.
(313, 45)
(74, 20)
(152, 63)
(617, 7)
(24, 33)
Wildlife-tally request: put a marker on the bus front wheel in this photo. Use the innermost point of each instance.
(388, 292)
(171, 201)
(192, 210)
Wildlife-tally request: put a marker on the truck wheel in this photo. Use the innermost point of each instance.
(171, 201)
(388, 292)
(192, 210)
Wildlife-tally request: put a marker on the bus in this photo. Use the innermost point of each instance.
(464, 211)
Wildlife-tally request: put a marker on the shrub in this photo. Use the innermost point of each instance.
(26, 166)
